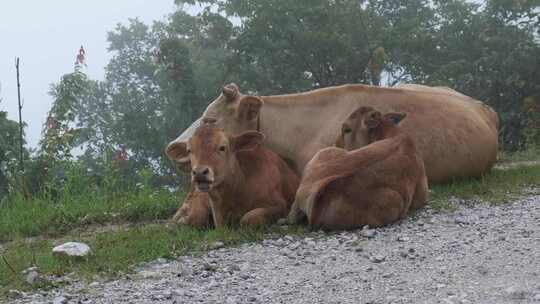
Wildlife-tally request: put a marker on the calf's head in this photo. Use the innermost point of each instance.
(212, 153)
(366, 125)
(231, 110)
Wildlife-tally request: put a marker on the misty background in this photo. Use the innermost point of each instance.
(46, 35)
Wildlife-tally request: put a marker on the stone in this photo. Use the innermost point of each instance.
(15, 294)
(72, 250)
(282, 221)
(209, 267)
(369, 233)
(31, 276)
(377, 258)
(217, 245)
(461, 220)
(60, 300)
(515, 293)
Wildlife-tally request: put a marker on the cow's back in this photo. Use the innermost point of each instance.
(378, 191)
(267, 174)
(456, 136)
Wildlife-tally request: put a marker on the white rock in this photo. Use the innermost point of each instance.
(60, 300)
(31, 275)
(72, 249)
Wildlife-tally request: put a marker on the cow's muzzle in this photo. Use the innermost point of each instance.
(203, 178)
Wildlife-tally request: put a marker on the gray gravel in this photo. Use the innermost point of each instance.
(480, 253)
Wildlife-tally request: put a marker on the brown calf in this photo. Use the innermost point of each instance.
(374, 185)
(244, 181)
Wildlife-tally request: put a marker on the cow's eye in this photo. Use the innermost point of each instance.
(347, 130)
(188, 151)
(222, 148)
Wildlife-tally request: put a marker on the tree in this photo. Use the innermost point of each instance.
(9, 154)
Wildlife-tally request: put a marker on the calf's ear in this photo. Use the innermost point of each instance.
(178, 152)
(246, 141)
(249, 107)
(395, 117)
(373, 119)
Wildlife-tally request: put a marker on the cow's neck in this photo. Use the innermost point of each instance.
(386, 130)
(296, 126)
(228, 195)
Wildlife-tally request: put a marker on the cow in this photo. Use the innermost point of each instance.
(457, 136)
(374, 185)
(243, 180)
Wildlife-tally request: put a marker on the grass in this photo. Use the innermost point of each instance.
(496, 187)
(116, 252)
(42, 216)
(530, 154)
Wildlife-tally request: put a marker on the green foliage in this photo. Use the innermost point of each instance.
(499, 186)
(81, 198)
(9, 156)
(59, 137)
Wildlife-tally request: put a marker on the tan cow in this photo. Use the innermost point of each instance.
(244, 181)
(374, 185)
(455, 134)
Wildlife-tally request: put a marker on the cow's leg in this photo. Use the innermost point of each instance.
(262, 216)
(351, 210)
(387, 206)
(421, 193)
(182, 212)
(296, 215)
(195, 210)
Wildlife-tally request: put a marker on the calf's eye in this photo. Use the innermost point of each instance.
(222, 148)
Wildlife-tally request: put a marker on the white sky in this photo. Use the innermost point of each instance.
(46, 35)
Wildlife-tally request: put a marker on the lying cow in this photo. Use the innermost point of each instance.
(244, 181)
(374, 185)
(455, 134)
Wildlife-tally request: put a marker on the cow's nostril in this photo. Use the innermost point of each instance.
(194, 172)
(205, 171)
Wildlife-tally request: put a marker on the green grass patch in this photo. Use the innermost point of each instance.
(498, 186)
(43, 216)
(116, 252)
(530, 154)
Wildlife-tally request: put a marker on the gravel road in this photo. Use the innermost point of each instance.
(480, 253)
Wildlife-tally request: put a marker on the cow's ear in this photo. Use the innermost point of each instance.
(249, 107)
(395, 117)
(373, 119)
(230, 91)
(247, 141)
(178, 152)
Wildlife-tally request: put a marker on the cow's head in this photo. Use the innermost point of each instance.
(366, 125)
(232, 111)
(212, 153)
